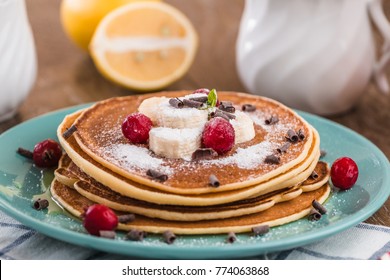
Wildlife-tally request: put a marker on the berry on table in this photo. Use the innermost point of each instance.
(344, 173)
(98, 218)
(47, 153)
(218, 135)
(136, 128)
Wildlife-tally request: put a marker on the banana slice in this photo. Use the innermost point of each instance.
(169, 116)
(149, 107)
(163, 114)
(243, 127)
(175, 142)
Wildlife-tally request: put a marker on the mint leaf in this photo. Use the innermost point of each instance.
(212, 98)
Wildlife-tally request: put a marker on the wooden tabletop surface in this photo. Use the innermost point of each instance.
(67, 75)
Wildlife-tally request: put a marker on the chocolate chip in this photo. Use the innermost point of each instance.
(40, 204)
(69, 132)
(126, 218)
(176, 102)
(157, 175)
(169, 237)
(204, 153)
(229, 115)
(314, 215)
(284, 147)
(231, 238)
(292, 136)
(110, 234)
(318, 206)
(322, 153)
(272, 120)
(301, 135)
(227, 106)
(219, 114)
(192, 103)
(314, 175)
(202, 99)
(248, 108)
(226, 115)
(136, 235)
(213, 181)
(259, 230)
(25, 153)
(272, 159)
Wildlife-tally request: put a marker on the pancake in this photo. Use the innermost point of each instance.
(99, 135)
(312, 183)
(101, 194)
(133, 189)
(279, 214)
(63, 174)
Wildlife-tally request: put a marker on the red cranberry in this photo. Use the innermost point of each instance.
(219, 135)
(99, 217)
(344, 173)
(136, 128)
(201, 90)
(47, 153)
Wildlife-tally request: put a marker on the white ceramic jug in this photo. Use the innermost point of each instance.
(313, 55)
(18, 63)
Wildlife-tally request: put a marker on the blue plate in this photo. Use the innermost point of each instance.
(20, 181)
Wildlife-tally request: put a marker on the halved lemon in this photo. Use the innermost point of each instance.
(79, 19)
(144, 46)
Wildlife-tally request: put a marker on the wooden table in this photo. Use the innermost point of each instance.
(67, 75)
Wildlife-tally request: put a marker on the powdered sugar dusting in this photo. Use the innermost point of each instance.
(131, 157)
(247, 158)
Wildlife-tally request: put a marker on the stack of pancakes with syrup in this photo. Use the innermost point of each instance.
(101, 166)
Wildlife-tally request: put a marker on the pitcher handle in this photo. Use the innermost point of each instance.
(383, 25)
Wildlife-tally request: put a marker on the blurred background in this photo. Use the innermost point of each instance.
(67, 75)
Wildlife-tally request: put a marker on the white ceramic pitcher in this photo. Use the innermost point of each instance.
(18, 63)
(313, 55)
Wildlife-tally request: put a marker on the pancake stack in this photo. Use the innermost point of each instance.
(270, 176)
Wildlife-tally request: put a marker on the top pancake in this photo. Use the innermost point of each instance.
(99, 135)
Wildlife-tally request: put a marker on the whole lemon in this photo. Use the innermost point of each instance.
(79, 18)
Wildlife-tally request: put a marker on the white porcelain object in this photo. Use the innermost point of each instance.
(18, 63)
(313, 55)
